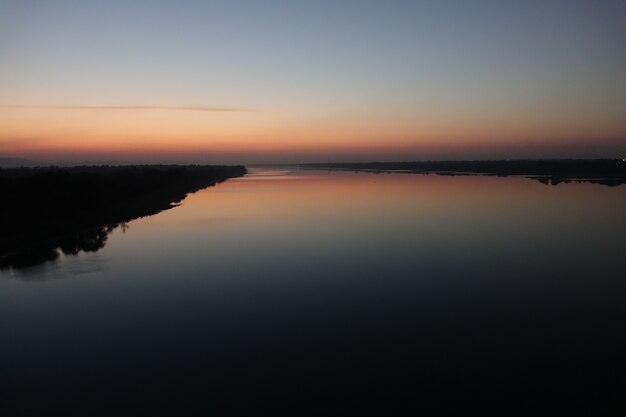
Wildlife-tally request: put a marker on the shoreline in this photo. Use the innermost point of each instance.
(70, 210)
(609, 172)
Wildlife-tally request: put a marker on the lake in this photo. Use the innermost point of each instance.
(301, 289)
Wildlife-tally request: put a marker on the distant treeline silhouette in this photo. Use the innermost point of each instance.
(549, 171)
(45, 210)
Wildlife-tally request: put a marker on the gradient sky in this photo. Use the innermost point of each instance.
(288, 81)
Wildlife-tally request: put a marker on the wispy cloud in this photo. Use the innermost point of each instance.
(122, 108)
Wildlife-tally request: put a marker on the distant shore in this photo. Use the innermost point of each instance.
(611, 172)
(47, 210)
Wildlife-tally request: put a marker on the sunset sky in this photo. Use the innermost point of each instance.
(303, 81)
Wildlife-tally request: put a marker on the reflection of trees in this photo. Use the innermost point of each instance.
(87, 241)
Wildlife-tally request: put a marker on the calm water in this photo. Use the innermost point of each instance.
(284, 289)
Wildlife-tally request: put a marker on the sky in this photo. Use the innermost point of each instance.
(304, 81)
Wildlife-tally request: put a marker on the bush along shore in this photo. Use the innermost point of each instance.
(47, 210)
(609, 172)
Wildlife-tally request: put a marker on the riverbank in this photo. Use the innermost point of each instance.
(609, 172)
(45, 210)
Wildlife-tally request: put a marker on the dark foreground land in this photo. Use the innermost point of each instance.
(610, 172)
(44, 210)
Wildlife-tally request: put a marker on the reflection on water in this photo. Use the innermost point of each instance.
(90, 240)
(41, 260)
(63, 266)
(285, 290)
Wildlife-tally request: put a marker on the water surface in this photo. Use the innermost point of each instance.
(283, 289)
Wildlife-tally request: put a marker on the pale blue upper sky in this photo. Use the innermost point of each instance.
(549, 63)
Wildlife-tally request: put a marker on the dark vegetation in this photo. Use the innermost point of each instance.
(550, 171)
(44, 210)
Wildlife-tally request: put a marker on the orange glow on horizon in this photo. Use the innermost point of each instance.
(33, 131)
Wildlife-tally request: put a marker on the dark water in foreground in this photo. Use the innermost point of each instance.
(332, 292)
